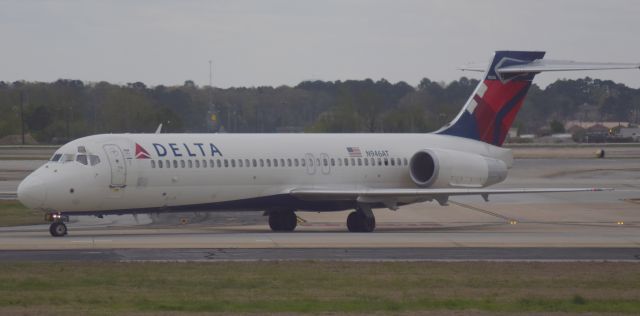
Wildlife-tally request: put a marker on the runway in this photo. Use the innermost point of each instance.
(546, 227)
(331, 254)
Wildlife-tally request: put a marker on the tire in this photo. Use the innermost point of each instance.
(357, 222)
(284, 221)
(354, 222)
(58, 229)
(274, 221)
(368, 224)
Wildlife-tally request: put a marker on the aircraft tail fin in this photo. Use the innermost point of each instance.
(494, 104)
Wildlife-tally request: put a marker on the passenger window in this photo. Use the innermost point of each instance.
(268, 162)
(240, 163)
(197, 163)
(339, 162)
(353, 162)
(296, 162)
(281, 162)
(310, 162)
(246, 163)
(366, 161)
(398, 162)
(204, 163)
(386, 161)
(393, 162)
(168, 164)
(379, 162)
(175, 164)
(406, 162)
(261, 163)
(182, 165)
(226, 163)
(153, 163)
(218, 163)
(159, 163)
(275, 162)
(325, 162)
(346, 162)
(233, 163)
(190, 164)
(288, 162)
(56, 157)
(303, 162)
(359, 161)
(333, 162)
(373, 161)
(82, 159)
(255, 163)
(211, 163)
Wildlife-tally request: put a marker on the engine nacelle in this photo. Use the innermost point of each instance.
(442, 168)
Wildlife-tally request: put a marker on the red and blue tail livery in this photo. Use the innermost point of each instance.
(490, 111)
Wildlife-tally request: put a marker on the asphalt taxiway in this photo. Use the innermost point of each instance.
(333, 254)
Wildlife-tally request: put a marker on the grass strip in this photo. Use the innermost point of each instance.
(13, 213)
(101, 288)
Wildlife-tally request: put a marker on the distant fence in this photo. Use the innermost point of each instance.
(8, 196)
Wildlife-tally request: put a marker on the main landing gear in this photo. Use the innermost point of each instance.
(361, 220)
(283, 221)
(57, 228)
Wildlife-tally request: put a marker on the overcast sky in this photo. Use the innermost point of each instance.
(260, 42)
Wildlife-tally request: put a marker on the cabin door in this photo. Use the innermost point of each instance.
(118, 167)
(309, 160)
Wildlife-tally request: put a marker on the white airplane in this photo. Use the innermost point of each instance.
(284, 173)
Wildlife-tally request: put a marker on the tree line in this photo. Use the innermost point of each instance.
(68, 109)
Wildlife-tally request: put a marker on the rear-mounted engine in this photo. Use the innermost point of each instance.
(441, 168)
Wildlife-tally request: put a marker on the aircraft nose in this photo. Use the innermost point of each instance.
(32, 192)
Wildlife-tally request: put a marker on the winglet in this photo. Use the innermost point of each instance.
(159, 129)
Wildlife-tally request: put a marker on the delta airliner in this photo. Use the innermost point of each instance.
(285, 173)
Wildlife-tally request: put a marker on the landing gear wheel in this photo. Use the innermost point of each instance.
(354, 221)
(283, 221)
(359, 222)
(58, 229)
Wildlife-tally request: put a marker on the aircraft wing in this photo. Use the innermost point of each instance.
(391, 197)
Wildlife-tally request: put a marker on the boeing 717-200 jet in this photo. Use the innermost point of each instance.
(285, 173)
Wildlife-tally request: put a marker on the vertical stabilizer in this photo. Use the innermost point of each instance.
(494, 104)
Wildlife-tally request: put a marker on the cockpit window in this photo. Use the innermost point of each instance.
(67, 158)
(55, 157)
(82, 159)
(94, 160)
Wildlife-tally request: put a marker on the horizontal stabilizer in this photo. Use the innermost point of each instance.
(541, 65)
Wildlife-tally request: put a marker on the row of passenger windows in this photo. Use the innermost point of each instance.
(281, 162)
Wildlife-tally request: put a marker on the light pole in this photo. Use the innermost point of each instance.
(22, 115)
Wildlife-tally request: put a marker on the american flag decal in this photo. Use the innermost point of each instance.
(354, 151)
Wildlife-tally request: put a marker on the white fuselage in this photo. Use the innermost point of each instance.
(150, 172)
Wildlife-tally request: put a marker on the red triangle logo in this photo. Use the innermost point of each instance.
(141, 153)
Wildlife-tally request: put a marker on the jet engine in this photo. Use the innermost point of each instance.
(442, 168)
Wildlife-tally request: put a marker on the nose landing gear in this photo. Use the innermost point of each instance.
(57, 228)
